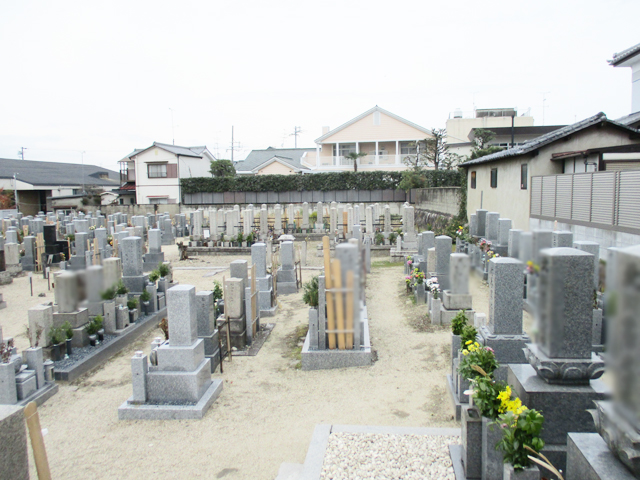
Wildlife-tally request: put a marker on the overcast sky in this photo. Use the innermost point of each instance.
(102, 77)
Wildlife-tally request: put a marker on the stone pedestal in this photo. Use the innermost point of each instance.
(492, 459)
(589, 458)
(564, 407)
(14, 454)
(471, 440)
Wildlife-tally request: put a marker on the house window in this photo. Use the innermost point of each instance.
(157, 170)
(473, 179)
(345, 149)
(158, 200)
(408, 148)
(524, 170)
(494, 178)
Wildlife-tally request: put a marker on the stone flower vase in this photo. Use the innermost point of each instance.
(92, 340)
(463, 384)
(532, 472)
(68, 346)
(436, 303)
(57, 352)
(471, 442)
(492, 458)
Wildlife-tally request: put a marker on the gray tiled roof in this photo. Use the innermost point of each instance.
(290, 156)
(620, 57)
(175, 149)
(629, 120)
(55, 173)
(546, 139)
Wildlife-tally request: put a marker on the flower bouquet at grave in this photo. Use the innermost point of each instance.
(532, 268)
(110, 240)
(418, 277)
(92, 227)
(434, 287)
(408, 279)
(484, 244)
(154, 276)
(521, 429)
(163, 269)
(477, 360)
(310, 295)
(491, 254)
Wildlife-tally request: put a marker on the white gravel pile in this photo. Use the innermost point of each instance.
(385, 456)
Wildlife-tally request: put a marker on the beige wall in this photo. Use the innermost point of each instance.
(364, 130)
(508, 198)
(458, 129)
(276, 168)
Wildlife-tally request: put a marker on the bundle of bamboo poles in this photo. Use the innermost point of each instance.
(339, 301)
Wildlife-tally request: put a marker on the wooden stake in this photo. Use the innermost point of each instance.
(350, 285)
(37, 441)
(331, 324)
(345, 221)
(337, 284)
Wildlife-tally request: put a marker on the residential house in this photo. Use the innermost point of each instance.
(386, 138)
(275, 161)
(155, 172)
(37, 183)
(630, 58)
(501, 182)
(510, 130)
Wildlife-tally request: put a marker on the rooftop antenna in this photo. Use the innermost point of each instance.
(173, 133)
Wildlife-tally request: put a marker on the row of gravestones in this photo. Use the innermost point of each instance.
(557, 374)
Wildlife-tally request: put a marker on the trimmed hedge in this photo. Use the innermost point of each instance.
(317, 181)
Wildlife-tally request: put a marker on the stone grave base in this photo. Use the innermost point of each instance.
(447, 315)
(5, 278)
(455, 452)
(131, 411)
(326, 359)
(564, 406)
(589, 458)
(76, 319)
(285, 288)
(508, 348)
(270, 312)
(457, 406)
(41, 395)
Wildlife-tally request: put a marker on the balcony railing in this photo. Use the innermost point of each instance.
(367, 160)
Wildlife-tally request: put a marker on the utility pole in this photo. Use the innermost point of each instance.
(296, 131)
(21, 152)
(544, 99)
(15, 191)
(82, 172)
(173, 133)
(233, 145)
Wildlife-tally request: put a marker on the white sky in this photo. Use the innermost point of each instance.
(101, 77)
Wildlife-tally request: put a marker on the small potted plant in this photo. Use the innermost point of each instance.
(99, 323)
(132, 305)
(145, 297)
(92, 331)
(164, 271)
(109, 294)
(121, 293)
(250, 239)
(154, 276)
(57, 337)
(68, 330)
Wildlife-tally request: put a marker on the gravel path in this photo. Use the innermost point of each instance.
(387, 456)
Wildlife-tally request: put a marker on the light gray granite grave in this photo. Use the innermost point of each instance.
(155, 254)
(267, 302)
(132, 269)
(179, 385)
(286, 274)
(561, 380)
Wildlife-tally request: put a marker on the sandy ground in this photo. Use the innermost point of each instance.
(268, 409)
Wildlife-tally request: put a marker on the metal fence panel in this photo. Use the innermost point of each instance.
(536, 195)
(603, 197)
(629, 202)
(549, 196)
(581, 202)
(564, 189)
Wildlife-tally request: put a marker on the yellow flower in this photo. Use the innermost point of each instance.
(469, 342)
(465, 352)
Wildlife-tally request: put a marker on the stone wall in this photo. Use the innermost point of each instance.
(442, 200)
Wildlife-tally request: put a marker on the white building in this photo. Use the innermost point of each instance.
(155, 171)
(630, 58)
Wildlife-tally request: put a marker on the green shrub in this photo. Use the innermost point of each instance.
(217, 290)
(458, 323)
(121, 289)
(109, 293)
(132, 304)
(379, 239)
(68, 330)
(145, 296)
(163, 269)
(468, 333)
(310, 295)
(520, 431)
(154, 276)
(57, 335)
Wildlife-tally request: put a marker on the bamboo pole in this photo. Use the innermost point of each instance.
(350, 285)
(337, 284)
(331, 324)
(37, 441)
